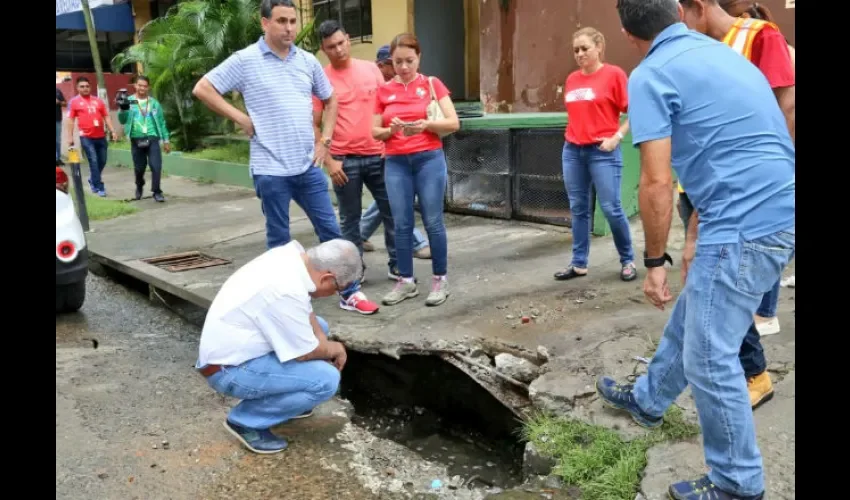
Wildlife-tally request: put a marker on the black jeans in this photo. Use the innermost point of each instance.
(368, 171)
(752, 352)
(142, 157)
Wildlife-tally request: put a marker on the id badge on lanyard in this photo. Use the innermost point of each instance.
(93, 111)
(145, 115)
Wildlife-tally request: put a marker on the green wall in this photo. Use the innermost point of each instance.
(220, 172)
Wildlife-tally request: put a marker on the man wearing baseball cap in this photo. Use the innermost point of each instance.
(385, 63)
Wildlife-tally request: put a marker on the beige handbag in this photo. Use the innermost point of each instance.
(434, 111)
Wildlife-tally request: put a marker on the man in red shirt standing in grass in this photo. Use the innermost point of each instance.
(761, 42)
(92, 115)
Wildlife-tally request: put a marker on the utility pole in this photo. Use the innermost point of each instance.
(95, 53)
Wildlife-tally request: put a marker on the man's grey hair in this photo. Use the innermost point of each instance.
(338, 257)
(267, 6)
(645, 19)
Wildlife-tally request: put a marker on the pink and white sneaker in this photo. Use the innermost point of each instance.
(358, 302)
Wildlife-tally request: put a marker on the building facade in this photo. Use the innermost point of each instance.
(512, 55)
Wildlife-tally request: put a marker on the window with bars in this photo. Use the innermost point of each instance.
(355, 16)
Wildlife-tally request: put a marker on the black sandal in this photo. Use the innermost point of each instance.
(568, 274)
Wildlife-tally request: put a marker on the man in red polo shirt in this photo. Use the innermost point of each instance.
(358, 155)
(91, 115)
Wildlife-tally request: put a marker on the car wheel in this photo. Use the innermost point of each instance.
(70, 297)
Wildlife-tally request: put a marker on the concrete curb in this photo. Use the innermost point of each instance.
(135, 270)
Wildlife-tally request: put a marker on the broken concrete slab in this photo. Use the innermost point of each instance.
(669, 463)
(536, 463)
(557, 392)
(517, 368)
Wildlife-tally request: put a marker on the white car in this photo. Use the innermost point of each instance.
(72, 259)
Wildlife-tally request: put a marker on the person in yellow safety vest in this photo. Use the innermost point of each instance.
(755, 10)
(762, 43)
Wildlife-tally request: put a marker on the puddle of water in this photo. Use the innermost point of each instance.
(478, 460)
(438, 412)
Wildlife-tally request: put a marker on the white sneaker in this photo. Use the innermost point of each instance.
(768, 327)
(789, 282)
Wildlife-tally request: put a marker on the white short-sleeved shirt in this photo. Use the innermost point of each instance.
(265, 306)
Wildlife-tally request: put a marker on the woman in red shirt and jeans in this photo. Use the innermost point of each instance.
(595, 95)
(415, 165)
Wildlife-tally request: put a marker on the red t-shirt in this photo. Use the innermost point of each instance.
(355, 88)
(90, 112)
(409, 104)
(594, 103)
(771, 55)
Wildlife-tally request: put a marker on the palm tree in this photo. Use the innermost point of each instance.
(176, 50)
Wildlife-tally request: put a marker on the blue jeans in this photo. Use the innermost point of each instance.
(421, 175)
(95, 153)
(751, 354)
(700, 347)
(585, 166)
(371, 219)
(368, 171)
(310, 192)
(273, 392)
(58, 139)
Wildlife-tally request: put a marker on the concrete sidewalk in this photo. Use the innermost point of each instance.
(499, 271)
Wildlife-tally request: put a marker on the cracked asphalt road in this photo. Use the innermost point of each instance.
(134, 420)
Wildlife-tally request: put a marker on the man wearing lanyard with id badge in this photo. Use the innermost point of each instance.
(146, 129)
(91, 115)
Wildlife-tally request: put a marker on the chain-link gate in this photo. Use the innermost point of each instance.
(539, 193)
(479, 163)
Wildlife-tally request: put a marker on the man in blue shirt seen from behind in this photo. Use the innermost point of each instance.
(277, 81)
(698, 105)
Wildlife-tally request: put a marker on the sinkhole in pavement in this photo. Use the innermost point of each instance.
(438, 411)
(419, 401)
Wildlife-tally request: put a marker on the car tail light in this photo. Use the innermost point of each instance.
(66, 251)
(61, 180)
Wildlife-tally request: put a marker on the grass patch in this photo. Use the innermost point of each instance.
(102, 208)
(234, 152)
(595, 459)
(231, 151)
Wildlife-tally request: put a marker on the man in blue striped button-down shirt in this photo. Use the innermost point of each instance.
(277, 81)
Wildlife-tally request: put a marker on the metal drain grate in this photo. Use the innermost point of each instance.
(185, 261)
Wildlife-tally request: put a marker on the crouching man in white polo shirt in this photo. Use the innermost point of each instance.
(262, 343)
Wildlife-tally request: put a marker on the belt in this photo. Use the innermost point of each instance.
(209, 370)
(354, 157)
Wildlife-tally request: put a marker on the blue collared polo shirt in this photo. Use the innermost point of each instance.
(278, 96)
(730, 143)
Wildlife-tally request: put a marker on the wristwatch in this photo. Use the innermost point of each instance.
(326, 142)
(656, 261)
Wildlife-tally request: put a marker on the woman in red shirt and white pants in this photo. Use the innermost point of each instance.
(415, 165)
(595, 95)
